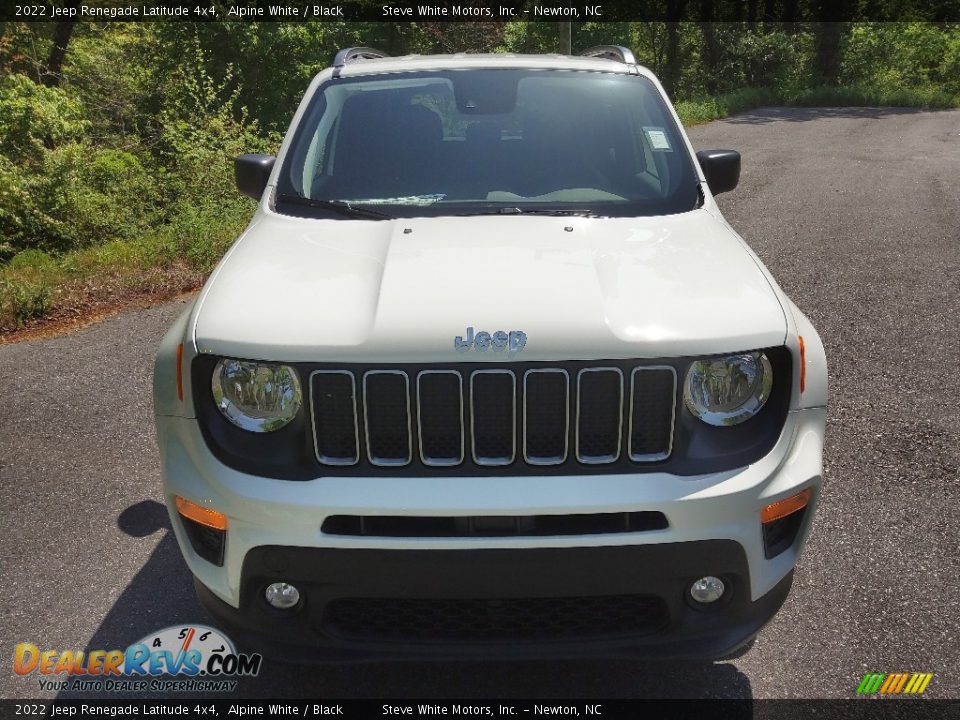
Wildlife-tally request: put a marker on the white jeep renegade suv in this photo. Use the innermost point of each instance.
(489, 374)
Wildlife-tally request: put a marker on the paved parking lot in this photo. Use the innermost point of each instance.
(857, 214)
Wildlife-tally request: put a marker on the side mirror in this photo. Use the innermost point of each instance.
(252, 172)
(721, 168)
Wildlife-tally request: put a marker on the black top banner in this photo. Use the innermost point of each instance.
(770, 11)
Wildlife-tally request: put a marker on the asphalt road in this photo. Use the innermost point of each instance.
(857, 214)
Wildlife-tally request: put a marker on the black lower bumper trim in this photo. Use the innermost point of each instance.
(624, 601)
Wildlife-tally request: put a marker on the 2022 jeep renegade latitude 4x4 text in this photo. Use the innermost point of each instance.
(489, 374)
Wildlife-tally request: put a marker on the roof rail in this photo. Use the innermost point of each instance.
(355, 53)
(611, 52)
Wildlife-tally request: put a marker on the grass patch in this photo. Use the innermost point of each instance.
(175, 258)
(925, 98)
(697, 111)
(22, 300)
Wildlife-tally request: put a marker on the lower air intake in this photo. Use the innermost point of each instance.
(494, 525)
(496, 621)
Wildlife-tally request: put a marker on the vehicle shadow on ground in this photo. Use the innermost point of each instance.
(766, 115)
(161, 595)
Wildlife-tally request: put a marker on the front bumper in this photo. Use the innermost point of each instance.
(713, 529)
(627, 602)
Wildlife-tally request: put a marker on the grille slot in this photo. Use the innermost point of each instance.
(386, 413)
(652, 413)
(546, 416)
(440, 417)
(599, 415)
(335, 417)
(493, 400)
(507, 620)
(494, 526)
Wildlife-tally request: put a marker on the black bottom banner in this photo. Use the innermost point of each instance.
(592, 708)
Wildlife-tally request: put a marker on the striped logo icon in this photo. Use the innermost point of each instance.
(894, 683)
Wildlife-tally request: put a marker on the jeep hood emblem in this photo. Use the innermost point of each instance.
(499, 341)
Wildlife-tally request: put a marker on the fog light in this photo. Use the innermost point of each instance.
(707, 589)
(282, 596)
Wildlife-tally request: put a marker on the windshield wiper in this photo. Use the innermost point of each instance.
(338, 206)
(556, 212)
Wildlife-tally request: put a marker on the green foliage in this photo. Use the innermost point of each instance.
(22, 221)
(34, 117)
(36, 260)
(94, 194)
(695, 112)
(77, 195)
(116, 72)
(201, 134)
(26, 289)
(200, 235)
(902, 56)
(23, 301)
(203, 131)
(866, 96)
(950, 66)
(524, 36)
(762, 60)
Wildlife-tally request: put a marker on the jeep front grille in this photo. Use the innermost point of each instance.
(491, 418)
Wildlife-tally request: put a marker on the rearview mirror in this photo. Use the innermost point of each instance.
(721, 168)
(252, 172)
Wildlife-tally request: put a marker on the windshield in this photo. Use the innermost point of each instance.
(487, 141)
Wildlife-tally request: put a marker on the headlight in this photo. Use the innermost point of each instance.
(728, 390)
(255, 396)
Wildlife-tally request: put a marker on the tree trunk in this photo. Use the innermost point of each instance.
(61, 38)
(566, 40)
(709, 50)
(831, 15)
(673, 64)
(828, 37)
(791, 16)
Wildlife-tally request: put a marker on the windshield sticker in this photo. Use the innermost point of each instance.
(657, 137)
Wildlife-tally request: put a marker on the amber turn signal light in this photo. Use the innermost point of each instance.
(782, 508)
(200, 514)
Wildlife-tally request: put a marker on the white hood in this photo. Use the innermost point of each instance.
(295, 289)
